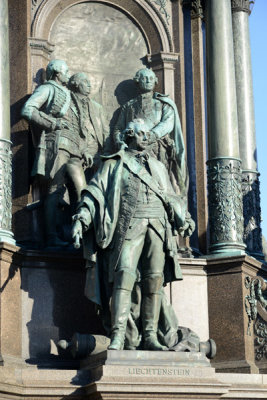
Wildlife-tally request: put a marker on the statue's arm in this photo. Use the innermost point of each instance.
(82, 221)
(104, 123)
(119, 128)
(31, 110)
(178, 211)
(166, 124)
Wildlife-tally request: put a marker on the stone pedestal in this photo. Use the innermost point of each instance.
(10, 302)
(228, 319)
(189, 297)
(40, 295)
(151, 375)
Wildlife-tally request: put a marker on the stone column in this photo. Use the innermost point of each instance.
(5, 144)
(224, 164)
(196, 114)
(246, 127)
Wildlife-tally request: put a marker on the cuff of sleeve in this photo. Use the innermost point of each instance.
(155, 135)
(82, 218)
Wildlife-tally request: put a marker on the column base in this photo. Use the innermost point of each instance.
(226, 249)
(7, 237)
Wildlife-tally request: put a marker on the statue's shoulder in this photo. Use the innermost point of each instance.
(164, 98)
(43, 88)
(56, 88)
(129, 103)
(48, 85)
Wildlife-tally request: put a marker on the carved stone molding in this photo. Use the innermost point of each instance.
(5, 185)
(165, 21)
(225, 204)
(196, 6)
(34, 7)
(252, 213)
(49, 10)
(41, 47)
(163, 65)
(242, 5)
(163, 59)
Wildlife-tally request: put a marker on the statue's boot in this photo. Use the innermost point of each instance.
(51, 206)
(120, 307)
(150, 310)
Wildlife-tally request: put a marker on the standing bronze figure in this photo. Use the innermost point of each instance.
(134, 214)
(164, 128)
(70, 132)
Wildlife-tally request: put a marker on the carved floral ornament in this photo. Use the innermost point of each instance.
(5, 184)
(256, 309)
(162, 8)
(196, 6)
(252, 211)
(225, 200)
(242, 5)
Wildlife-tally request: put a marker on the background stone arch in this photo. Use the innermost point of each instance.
(104, 42)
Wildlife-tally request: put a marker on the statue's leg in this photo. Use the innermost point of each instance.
(76, 175)
(124, 279)
(120, 307)
(55, 192)
(153, 262)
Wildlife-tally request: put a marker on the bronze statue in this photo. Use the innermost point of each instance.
(164, 128)
(71, 133)
(92, 118)
(133, 214)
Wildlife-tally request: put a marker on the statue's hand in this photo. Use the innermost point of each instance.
(151, 137)
(77, 231)
(61, 124)
(188, 228)
(123, 146)
(88, 160)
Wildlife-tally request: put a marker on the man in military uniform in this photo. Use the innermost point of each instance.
(62, 146)
(162, 120)
(134, 212)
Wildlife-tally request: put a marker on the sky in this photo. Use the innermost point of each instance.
(258, 40)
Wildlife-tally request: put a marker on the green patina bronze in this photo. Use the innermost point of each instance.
(129, 217)
(163, 123)
(69, 131)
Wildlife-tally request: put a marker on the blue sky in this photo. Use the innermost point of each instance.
(258, 39)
